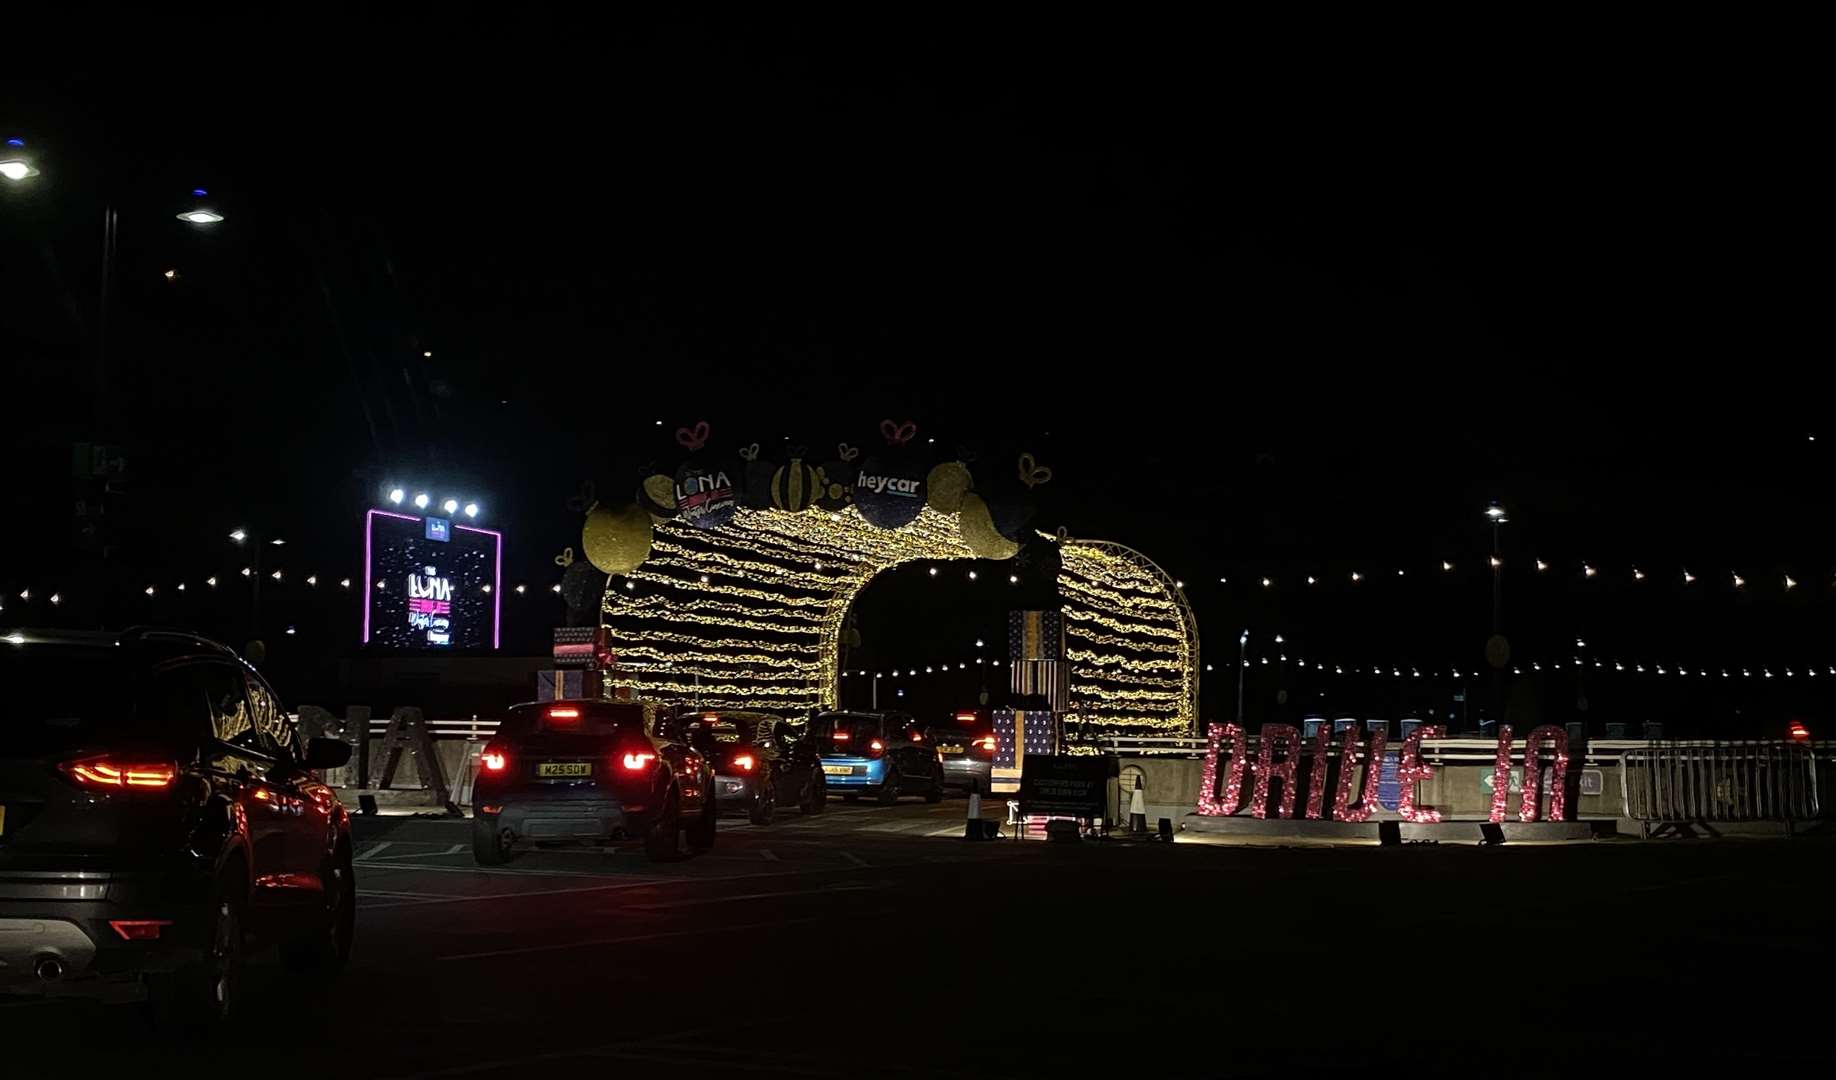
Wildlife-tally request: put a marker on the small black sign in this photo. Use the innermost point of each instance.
(1063, 785)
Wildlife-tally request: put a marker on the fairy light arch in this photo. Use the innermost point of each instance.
(751, 614)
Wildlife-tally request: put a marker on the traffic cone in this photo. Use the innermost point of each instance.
(1137, 809)
(972, 824)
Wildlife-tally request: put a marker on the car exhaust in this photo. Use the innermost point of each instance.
(48, 969)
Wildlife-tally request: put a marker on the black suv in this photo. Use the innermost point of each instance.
(159, 816)
(590, 771)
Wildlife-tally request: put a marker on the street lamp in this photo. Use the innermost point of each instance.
(1242, 666)
(200, 214)
(15, 163)
(1497, 649)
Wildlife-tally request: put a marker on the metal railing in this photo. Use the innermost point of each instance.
(475, 728)
(1719, 781)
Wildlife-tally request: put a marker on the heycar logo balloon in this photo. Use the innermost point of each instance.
(888, 485)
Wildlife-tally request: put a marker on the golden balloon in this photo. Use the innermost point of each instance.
(616, 541)
(979, 533)
(657, 494)
(947, 485)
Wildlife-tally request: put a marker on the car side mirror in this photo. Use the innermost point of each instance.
(327, 754)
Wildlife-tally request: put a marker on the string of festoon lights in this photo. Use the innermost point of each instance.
(1634, 668)
(1780, 583)
(56, 596)
(1653, 669)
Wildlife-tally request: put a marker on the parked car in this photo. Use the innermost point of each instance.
(573, 771)
(760, 764)
(160, 818)
(880, 754)
(965, 744)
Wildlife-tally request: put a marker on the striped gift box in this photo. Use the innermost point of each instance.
(1035, 635)
(1049, 679)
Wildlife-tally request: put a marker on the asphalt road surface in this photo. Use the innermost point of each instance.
(872, 942)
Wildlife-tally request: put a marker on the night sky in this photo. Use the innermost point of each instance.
(1268, 300)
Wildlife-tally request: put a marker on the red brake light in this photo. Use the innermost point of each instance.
(639, 760)
(139, 929)
(744, 762)
(917, 736)
(564, 716)
(115, 774)
(494, 759)
(876, 746)
(965, 718)
(1798, 732)
(840, 736)
(986, 742)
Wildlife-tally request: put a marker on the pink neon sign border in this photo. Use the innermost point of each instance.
(497, 581)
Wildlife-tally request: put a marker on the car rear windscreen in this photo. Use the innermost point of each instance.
(573, 718)
(845, 731)
(55, 699)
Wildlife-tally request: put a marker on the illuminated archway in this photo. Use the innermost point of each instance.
(751, 613)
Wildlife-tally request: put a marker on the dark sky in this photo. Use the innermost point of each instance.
(1266, 298)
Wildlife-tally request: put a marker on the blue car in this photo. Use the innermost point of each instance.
(879, 754)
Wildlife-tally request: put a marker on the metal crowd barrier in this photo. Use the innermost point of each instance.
(1720, 781)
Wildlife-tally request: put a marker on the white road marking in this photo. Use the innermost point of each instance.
(628, 939)
(422, 868)
(640, 883)
(452, 849)
(375, 851)
(757, 896)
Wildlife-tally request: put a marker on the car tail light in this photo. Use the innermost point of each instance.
(876, 747)
(1798, 732)
(917, 736)
(639, 760)
(965, 718)
(120, 774)
(986, 742)
(744, 762)
(840, 736)
(139, 929)
(494, 759)
(564, 716)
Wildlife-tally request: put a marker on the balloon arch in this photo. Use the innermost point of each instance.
(750, 613)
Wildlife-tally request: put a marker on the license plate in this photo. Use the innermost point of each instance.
(838, 770)
(949, 749)
(564, 768)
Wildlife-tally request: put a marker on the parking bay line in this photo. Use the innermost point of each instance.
(644, 883)
(758, 896)
(626, 940)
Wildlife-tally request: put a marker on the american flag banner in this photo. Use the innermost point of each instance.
(1019, 732)
(1049, 679)
(1035, 635)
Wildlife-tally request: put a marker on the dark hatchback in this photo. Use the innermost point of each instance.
(159, 818)
(966, 744)
(760, 763)
(574, 771)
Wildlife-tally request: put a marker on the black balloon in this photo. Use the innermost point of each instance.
(757, 495)
(582, 585)
(890, 489)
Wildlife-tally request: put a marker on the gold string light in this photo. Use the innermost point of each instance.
(752, 613)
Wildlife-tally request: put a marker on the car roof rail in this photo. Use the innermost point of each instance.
(173, 633)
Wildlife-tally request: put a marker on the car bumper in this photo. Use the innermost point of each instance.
(966, 772)
(64, 918)
(862, 774)
(735, 792)
(568, 820)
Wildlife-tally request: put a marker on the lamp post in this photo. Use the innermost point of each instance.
(244, 537)
(1242, 666)
(1497, 649)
